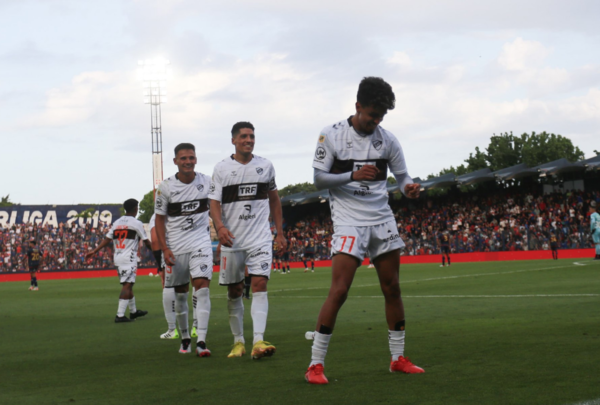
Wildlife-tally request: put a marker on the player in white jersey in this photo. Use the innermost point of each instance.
(168, 293)
(243, 193)
(595, 227)
(126, 233)
(183, 234)
(352, 159)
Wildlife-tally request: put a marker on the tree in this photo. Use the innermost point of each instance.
(297, 188)
(545, 147)
(5, 201)
(146, 207)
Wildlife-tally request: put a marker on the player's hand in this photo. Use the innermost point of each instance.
(169, 257)
(367, 172)
(282, 243)
(225, 237)
(412, 190)
(89, 255)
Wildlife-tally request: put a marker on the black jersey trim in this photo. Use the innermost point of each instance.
(245, 192)
(187, 208)
(346, 166)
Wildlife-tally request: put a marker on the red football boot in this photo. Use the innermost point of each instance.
(404, 365)
(314, 375)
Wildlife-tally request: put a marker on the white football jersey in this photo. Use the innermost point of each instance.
(340, 149)
(243, 191)
(126, 233)
(186, 209)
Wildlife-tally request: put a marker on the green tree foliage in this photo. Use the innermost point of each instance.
(87, 213)
(506, 150)
(146, 207)
(5, 201)
(297, 188)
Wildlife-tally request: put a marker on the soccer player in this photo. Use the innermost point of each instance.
(309, 254)
(243, 193)
(183, 234)
(168, 293)
(351, 160)
(33, 258)
(595, 227)
(445, 243)
(285, 261)
(126, 233)
(554, 246)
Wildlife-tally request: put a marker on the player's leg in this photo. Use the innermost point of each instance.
(134, 312)
(32, 279)
(168, 300)
(247, 283)
(178, 277)
(232, 276)
(123, 296)
(596, 240)
(201, 270)
(443, 257)
(258, 261)
(448, 255)
(386, 254)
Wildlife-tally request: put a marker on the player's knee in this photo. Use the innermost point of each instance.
(235, 291)
(391, 291)
(339, 294)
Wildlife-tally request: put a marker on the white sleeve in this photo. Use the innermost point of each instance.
(324, 180)
(272, 184)
(162, 199)
(140, 231)
(215, 192)
(396, 160)
(403, 180)
(324, 153)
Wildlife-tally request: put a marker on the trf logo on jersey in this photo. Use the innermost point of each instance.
(359, 165)
(248, 190)
(200, 187)
(190, 206)
(320, 153)
(363, 191)
(249, 215)
(377, 144)
(259, 170)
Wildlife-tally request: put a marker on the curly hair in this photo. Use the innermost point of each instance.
(375, 92)
(239, 125)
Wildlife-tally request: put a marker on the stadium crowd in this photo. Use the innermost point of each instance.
(501, 221)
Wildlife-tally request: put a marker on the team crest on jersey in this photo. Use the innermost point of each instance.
(259, 170)
(264, 266)
(320, 153)
(377, 144)
(200, 187)
(321, 138)
(203, 267)
(212, 188)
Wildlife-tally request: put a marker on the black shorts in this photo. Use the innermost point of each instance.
(553, 246)
(310, 256)
(446, 250)
(34, 267)
(285, 257)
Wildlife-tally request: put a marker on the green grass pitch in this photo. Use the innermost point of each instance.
(486, 333)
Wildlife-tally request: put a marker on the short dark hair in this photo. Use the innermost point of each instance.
(183, 146)
(130, 205)
(239, 125)
(375, 92)
(32, 241)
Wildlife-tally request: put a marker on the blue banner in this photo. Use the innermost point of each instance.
(55, 214)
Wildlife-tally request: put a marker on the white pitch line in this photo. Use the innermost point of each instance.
(592, 402)
(440, 296)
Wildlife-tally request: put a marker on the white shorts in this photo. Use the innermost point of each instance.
(127, 273)
(359, 241)
(233, 263)
(196, 264)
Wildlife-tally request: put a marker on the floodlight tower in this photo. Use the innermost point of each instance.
(154, 74)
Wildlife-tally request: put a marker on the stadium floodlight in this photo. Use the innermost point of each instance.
(154, 74)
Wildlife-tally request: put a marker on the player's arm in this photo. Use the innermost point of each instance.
(277, 215)
(105, 242)
(397, 165)
(162, 240)
(225, 236)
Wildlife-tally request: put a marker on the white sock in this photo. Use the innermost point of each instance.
(122, 308)
(132, 308)
(194, 304)
(235, 307)
(202, 311)
(319, 348)
(396, 340)
(181, 309)
(259, 311)
(169, 307)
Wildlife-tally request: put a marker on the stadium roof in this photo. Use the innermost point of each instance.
(450, 179)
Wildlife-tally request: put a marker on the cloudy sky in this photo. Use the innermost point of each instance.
(75, 129)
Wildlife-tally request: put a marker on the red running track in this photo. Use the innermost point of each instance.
(456, 258)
